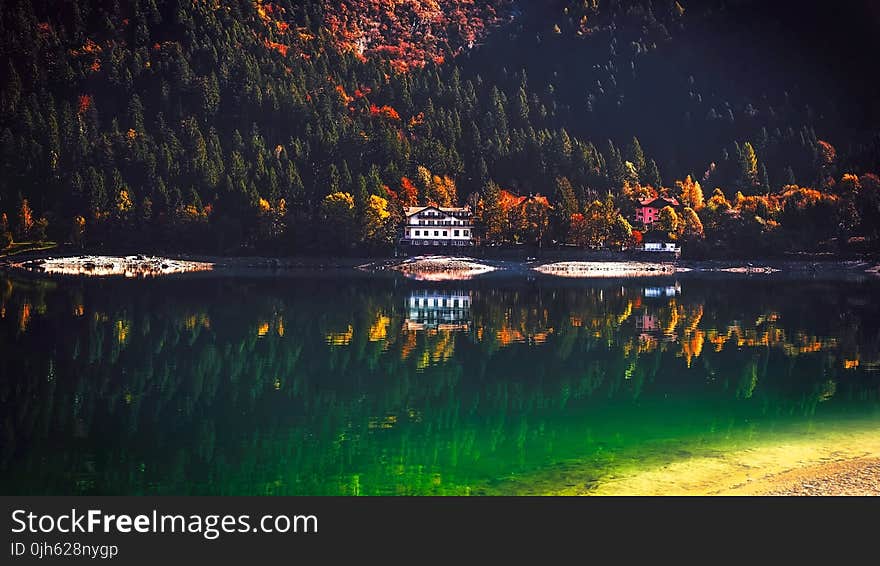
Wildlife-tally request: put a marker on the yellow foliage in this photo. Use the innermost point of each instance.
(379, 329)
(122, 330)
(123, 202)
(340, 338)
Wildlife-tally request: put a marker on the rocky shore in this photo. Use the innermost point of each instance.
(860, 476)
(127, 266)
(441, 268)
(429, 267)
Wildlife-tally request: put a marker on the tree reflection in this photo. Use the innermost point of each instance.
(382, 386)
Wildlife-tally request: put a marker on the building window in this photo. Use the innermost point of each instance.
(466, 232)
(445, 232)
(417, 232)
(455, 232)
(436, 233)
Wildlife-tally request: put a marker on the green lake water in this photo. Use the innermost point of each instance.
(337, 385)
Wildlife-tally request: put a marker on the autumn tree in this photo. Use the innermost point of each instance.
(378, 228)
(535, 221)
(25, 221)
(690, 226)
(668, 221)
(691, 194)
(6, 238)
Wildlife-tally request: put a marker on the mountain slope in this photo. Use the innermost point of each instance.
(212, 125)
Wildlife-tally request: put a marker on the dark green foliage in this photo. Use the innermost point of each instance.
(196, 113)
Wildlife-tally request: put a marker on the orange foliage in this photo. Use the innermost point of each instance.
(343, 95)
(827, 153)
(384, 111)
(279, 47)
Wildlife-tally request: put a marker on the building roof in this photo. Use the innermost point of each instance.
(658, 202)
(410, 210)
(510, 200)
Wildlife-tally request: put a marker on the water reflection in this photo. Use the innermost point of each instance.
(438, 309)
(387, 386)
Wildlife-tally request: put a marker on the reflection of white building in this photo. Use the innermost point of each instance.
(439, 226)
(438, 310)
(668, 291)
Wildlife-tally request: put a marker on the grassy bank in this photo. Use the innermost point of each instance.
(23, 247)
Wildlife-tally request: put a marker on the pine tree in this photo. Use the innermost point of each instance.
(748, 168)
(636, 156)
(652, 175)
(764, 180)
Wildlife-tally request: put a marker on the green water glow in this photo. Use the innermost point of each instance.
(338, 385)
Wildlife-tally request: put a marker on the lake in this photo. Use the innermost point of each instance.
(330, 384)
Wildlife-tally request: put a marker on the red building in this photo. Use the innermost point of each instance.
(649, 209)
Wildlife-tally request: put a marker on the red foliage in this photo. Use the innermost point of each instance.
(85, 102)
(637, 237)
(409, 194)
(410, 33)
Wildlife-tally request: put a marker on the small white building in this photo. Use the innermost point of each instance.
(439, 226)
(661, 247)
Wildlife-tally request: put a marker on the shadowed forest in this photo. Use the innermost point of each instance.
(307, 127)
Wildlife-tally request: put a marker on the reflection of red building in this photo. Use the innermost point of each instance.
(646, 322)
(649, 209)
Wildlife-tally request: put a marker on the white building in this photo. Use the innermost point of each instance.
(439, 226)
(661, 247)
(438, 310)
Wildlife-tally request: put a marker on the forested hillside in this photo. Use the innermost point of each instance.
(303, 126)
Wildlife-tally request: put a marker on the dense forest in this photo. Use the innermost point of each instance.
(307, 126)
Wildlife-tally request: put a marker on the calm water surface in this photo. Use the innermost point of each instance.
(358, 385)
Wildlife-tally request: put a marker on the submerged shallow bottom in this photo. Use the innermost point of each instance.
(744, 464)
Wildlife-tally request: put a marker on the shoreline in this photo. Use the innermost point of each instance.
(428, 267)
(842, 462)
(848, 477)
